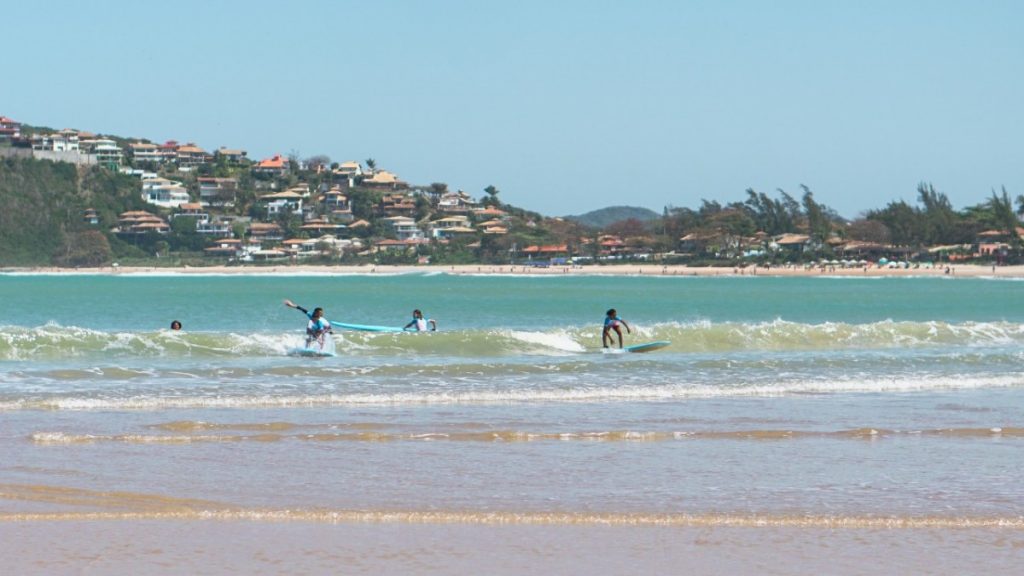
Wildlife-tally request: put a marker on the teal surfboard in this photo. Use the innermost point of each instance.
(366, 327)
(647, 347)
(310, 352)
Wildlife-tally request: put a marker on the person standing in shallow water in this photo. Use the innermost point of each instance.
(419, 324)
(613, 322)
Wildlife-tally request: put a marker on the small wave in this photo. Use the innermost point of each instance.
(517, 436)
(53, 341)
(581, 393)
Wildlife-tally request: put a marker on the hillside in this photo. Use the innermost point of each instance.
(605, 216)
(41, 207)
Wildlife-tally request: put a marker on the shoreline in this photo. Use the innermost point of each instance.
(952, 271)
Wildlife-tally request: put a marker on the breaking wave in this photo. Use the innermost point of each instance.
(54, 341)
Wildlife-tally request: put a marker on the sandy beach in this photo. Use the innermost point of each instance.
(955, 270)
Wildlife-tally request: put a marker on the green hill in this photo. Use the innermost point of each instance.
(605, 216)
(41, 208)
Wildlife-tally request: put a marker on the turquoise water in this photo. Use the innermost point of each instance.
(836, 397)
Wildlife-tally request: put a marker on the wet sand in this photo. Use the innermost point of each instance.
(215, 547)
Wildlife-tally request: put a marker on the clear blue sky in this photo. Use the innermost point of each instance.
(564, 106)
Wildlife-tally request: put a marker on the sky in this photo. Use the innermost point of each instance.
(565, 107)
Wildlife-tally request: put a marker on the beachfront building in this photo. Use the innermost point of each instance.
(218, 191)
(546, 253)
(405, 228)
(140, 222)
(265, 232)
(225, 247)
(791, 243)
(451, 227)
(164, 193)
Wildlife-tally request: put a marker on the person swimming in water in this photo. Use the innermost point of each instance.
(613, 322)
(317, 327)
(419, 324)
(175, 325)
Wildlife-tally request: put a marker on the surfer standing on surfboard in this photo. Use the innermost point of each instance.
(317, 326)
(613, 322)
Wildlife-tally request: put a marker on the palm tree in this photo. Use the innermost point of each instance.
(372, 165)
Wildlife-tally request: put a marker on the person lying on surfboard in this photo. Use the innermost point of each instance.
(419, 323)
(317, 326)
(613, 322)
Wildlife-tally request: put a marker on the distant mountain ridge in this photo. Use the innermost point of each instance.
(612, 214)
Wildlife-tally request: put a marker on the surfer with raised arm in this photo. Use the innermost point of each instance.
(419, 324)
(317, 326)
(613, 322)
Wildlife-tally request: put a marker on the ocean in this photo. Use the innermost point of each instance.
(831, 416)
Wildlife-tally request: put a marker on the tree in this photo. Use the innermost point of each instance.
(864, 230)
(1005, 217)
(371, 164)
(492, 196)
(437, 189)
(819, 226)
(626, 228)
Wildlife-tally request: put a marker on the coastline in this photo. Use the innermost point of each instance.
(639, 269)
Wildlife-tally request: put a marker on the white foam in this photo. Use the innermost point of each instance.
(659, 393)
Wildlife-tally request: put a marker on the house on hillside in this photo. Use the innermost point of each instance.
(230, 156)
(218, 191)
(146, 152)
(9, 129)
(63, 141)
(275, 166)
(321, 226)
(105, 151)
(282, 201)
(384, 180)
(189, 156)
(164, 193)
(265, 232)
(335, 203)
(405, 228)
(140, 222)
(397, 204)
(346, 174)
(455, 203)
(450, 227)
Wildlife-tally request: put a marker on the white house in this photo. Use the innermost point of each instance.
(405, 228)
(287, 200)
(165, 193)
